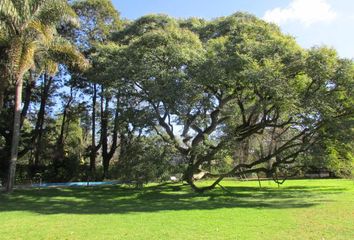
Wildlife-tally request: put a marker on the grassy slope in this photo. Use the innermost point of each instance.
(301, 209)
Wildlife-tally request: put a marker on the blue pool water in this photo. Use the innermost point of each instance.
(75, 184)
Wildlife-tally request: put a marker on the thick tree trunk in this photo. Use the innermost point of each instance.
(26, 103)
(191, 169)
(269, 173)
(189, 178)
(15, 135)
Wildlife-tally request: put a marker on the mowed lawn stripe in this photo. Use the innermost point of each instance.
(298, 209)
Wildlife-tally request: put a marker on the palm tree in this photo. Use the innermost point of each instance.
(27, 31)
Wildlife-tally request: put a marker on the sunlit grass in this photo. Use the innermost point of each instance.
(299, 209)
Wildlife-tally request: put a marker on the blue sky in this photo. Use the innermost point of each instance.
(312, 22)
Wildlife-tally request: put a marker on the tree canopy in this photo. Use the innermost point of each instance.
(141, 100)
(230, 80)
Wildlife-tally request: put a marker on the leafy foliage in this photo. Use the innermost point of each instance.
(233, 96)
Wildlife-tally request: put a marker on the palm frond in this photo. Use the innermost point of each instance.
(65, 52)
(43, 31)
(51, 67)
(4, 35)
(57, 11)
(28, 32)
(36, 5)
(43, 64)
(14, 52)
(10, 16)
(27, 57)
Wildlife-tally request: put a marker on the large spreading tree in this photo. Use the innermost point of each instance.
(214, 85)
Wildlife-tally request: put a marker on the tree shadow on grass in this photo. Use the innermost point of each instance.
(122, 200)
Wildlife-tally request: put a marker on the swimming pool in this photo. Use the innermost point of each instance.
(75, 184)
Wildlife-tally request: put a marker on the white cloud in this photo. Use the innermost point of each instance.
(306, 12)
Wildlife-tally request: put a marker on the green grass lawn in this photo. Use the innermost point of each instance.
(299, 209)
